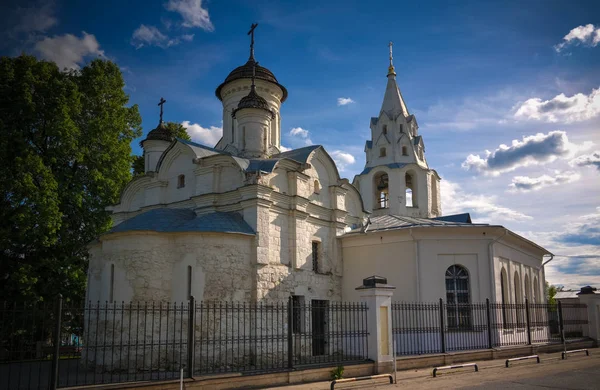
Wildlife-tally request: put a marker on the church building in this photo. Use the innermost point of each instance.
(246, 221)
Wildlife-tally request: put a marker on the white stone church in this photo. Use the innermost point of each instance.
(244, 221)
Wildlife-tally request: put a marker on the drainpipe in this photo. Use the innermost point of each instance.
(416, 243)
(549, 260)
(543, 275)
(491, 255)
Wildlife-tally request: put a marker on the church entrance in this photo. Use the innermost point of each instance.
(319, 314)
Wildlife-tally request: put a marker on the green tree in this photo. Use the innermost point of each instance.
(177, 131)
(551, 291)
(64, 156)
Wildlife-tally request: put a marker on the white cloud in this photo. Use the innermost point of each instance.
(577, 249)
(532, 150)
(151, 36)
(344, 101)
(483, 208)
(469, 113)
(187, 37)
(342, 159)
(147, 36)
(284, 149)
(526, 183)
(68, 51)
(592, 159)
(587, 34)
(192, 13)
(576, 108)
(37, 18)
(206, 136)
(301, 133)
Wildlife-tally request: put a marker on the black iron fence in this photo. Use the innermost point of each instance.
(61, 345)
(424, 328)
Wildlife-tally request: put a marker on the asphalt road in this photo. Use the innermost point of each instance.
(577, 372)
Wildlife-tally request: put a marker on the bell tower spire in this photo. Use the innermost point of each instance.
(397, 179)
(391, 70)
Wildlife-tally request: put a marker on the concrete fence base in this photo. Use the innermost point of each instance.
(239, 381)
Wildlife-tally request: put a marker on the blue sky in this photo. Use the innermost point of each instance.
(519, 79)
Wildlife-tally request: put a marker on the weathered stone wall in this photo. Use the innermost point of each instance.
(153, 267)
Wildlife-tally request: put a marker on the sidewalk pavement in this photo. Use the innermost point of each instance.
(489, 370)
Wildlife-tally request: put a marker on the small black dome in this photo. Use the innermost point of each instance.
(161, 133)
(245, 72)
(253, 100)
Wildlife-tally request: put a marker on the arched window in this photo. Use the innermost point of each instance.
(527, 288)
(382, 152)
(381, 185)
(536, 290)
(316, 187)
(410, 195)
(404, 151)
(111, 292)
(189, 282)
(457, 297)
(519, 307)
(504, 295)
(384, 129)
(180, 181)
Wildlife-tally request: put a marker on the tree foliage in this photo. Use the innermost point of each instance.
(551, 291)
(65, 156)
(177, 131)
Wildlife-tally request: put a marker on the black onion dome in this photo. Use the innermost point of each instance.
(253, 100)
(245, 72)
(161, 133)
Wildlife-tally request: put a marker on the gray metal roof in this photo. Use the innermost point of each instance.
(566, 294)
(464, 218)
(393, 222)
(267, 165)
(184, 220)
(392, 165)
(300, 155)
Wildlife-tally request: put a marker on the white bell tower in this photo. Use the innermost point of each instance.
(396, 179)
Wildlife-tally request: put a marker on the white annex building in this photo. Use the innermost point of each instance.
(244, 221)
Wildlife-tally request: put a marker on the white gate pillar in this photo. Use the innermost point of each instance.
(377, 295)
(588, 296)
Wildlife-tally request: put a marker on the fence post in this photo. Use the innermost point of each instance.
(443, 337)
(191, 337)
(489, 322)
(528, 321)
(56, 352)
(561, 328)
(289, 334)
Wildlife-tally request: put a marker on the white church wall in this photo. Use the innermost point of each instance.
(153, 266)
(204, 180)
(180, 165)
(394, 255)
(279, 181)
(436, 254)
(520, 260)
(231, 178)
(389, 255)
